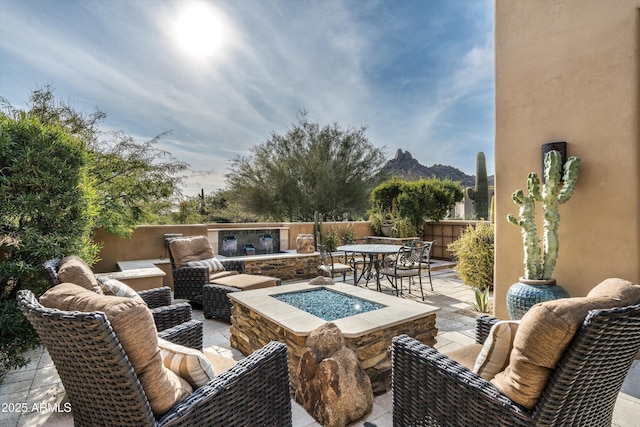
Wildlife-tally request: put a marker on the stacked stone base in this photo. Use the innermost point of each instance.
(251, 331)
(300, 267)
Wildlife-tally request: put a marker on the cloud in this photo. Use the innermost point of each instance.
(418, 74)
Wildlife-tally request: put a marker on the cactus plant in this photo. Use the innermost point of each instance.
(317, 229)
(480, 194)
(539, 264)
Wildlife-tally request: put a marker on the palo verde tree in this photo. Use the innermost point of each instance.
(59, 180)
(310, 168)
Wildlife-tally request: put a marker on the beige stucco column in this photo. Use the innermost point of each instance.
(569, 70)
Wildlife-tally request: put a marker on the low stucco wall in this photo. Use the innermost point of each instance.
(147, 241)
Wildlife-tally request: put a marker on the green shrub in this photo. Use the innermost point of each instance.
(339, 235)
(474, 254)
(408, 204)
(47, 210)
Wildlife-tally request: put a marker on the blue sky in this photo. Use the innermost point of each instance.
(417, 74)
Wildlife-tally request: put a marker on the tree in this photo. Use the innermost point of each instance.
(59, 180)
(48, 209)
(416, 201)
(129, 176)
(310, 168)
(428, 199)
(386, 194)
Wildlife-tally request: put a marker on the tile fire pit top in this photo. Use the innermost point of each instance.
(395, 311)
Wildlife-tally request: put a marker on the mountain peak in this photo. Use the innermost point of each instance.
(405, 166)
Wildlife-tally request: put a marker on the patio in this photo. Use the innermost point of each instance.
(34, 396)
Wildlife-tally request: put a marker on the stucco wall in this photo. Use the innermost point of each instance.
(147, 242)
(568, 70)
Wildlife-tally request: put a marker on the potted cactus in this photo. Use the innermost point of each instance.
(537, 283)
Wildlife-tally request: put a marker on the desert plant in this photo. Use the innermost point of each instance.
(480, 194)
(481, 303)
(346, 234)
(317, 229)
(474, 254)
(539, 264)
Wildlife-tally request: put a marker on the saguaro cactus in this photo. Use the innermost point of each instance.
(317, 228)
(539, 264)
(480, 194)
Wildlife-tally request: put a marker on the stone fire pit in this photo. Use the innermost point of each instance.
(258, 318)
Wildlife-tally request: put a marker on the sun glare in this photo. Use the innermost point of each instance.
(199, 29)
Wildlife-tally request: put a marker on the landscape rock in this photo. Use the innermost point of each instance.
(333, 387)
(322, 281)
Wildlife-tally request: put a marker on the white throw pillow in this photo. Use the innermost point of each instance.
(495, 353)
(213, 264)
(117, 288)
(188, 363)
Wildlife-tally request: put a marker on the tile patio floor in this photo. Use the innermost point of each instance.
(38, 384)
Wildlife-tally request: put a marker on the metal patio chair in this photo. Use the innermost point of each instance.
(409, 262)
(330, 267)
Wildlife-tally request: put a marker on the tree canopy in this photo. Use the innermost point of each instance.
(414, 201)
(59, 180)
(128, 176)
(309, 168)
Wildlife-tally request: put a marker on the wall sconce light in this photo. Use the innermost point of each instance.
(561, 147)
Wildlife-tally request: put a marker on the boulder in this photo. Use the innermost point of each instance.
(322, 281)
(332, 386)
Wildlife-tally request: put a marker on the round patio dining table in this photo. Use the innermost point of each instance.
(372, 254)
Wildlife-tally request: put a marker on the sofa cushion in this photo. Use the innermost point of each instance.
(133, 324)
(186, 249)
(618, 289)
(465, 355)
(211, 263)
(114, 287)
(496, 350)
(246, 282)
(73, 269)
(219, 363)
(545, 332)
(190, 364)
(221, 274)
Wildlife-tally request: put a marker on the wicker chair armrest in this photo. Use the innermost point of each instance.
(191, 274)
(157, 297)
(171, 315)
(188, 334)
(255, 392)
(214, 288)
(215, 302)
(483, 327)
(234, 265)
(431, 389)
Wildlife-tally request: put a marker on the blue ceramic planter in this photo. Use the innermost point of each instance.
(525, 294)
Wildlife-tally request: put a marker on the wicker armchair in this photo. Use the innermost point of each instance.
(194, 284)
(173, 321)
(188, 282)
(104, 390)
(430, 389)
